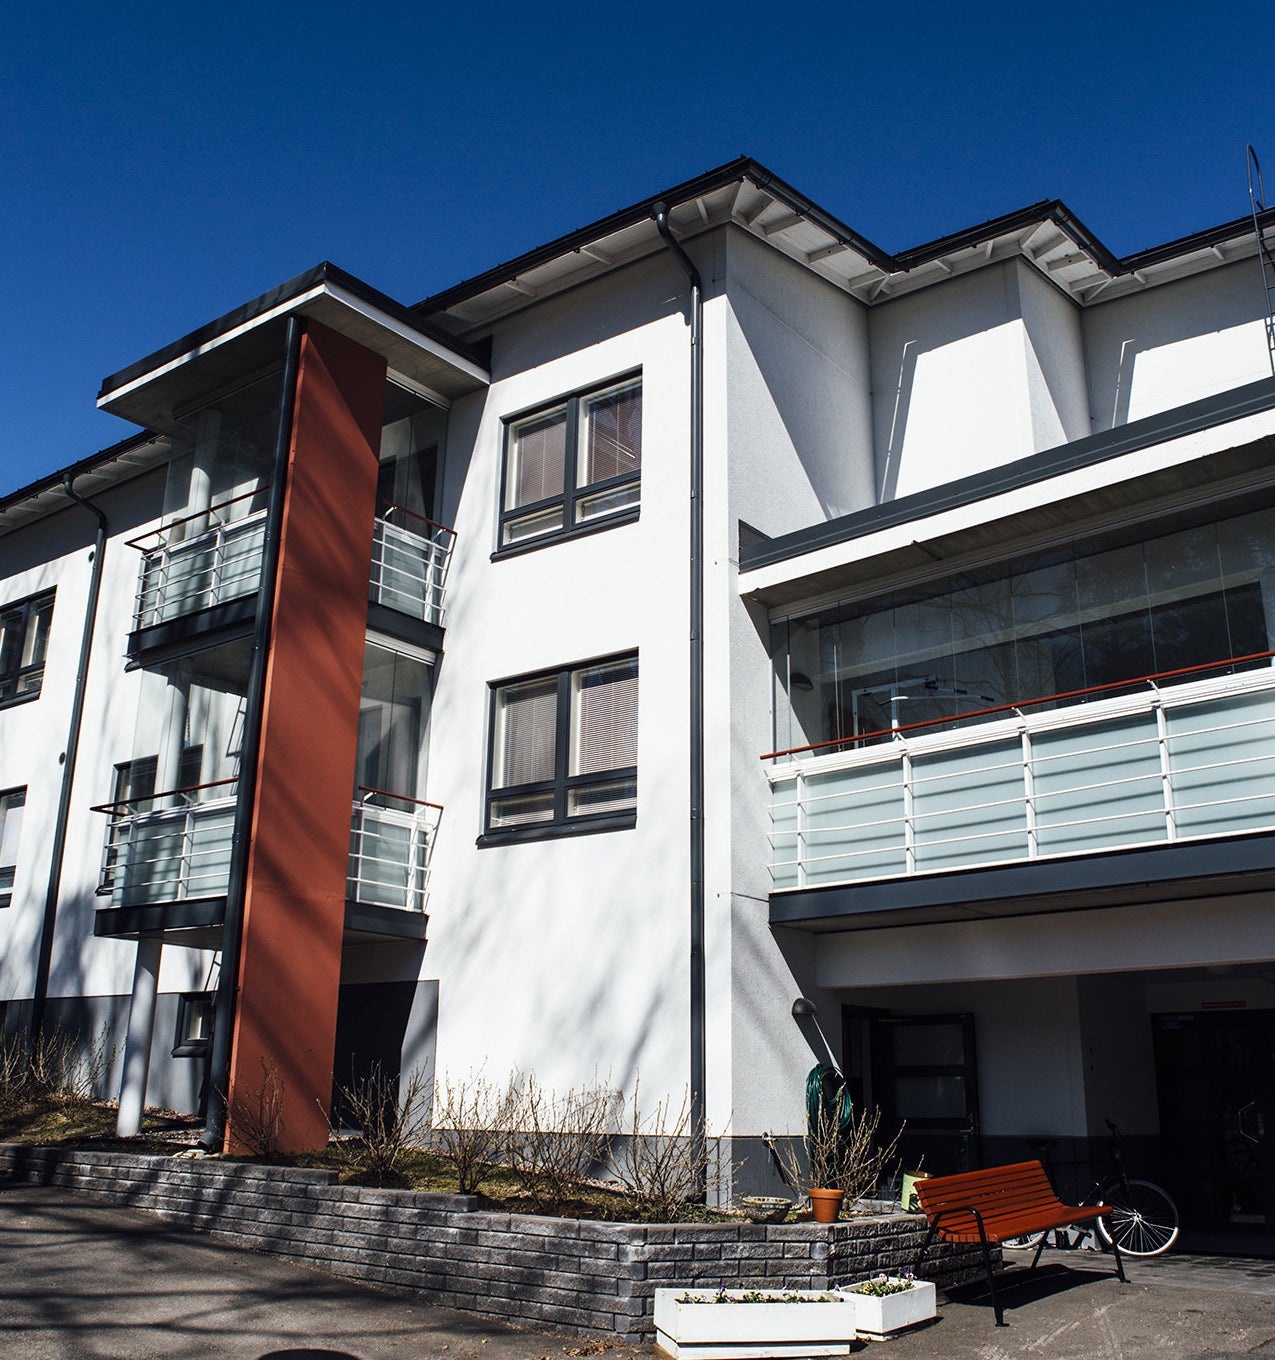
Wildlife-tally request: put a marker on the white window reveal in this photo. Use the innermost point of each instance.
(11, 806)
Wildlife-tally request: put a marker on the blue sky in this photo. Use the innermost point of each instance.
(161, 164)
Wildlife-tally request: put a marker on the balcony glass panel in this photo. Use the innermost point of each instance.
(181, 575)
(410, 557)
(168, 855)
(391, 841)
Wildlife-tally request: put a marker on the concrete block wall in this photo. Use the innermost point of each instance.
(571, 1275)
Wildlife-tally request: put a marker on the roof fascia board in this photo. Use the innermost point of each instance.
(288, 297)
(899, 265)
(92, 463)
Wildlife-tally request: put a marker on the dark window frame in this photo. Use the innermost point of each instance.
(183, 1045)
(8, 872)
(572, 525)
(563, 782)
(25, 610)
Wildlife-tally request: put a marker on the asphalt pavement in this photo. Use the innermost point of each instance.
(82, 1280)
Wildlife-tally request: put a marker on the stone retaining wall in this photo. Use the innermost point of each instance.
(572, 1275)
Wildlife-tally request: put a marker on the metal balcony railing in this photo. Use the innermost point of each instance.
(410, 557)
(391, 841)
(1186, 761)
(169, 846)
(200, 560)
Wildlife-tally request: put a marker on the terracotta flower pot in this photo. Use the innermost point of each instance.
(826, 1204)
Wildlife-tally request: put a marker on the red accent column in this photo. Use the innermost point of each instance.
(294, 909)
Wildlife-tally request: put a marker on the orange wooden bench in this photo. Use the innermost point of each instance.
(1001, 1202)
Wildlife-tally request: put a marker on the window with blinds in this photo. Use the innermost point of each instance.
(564, 749)
(574, 465)
(12, 803)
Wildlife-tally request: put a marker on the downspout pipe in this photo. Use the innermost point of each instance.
(40, 994)
(698, 1019)
(219, 1057)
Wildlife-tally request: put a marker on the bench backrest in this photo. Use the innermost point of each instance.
(1008, 1193)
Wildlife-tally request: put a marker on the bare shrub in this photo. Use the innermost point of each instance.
(56, 1065)
(840, 1155)
(662, 1164)
(393, 1117)
(471, 1117)
(257, 1118)
(558, 1139)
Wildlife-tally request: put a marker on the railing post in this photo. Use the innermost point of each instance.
(1029, 795)
(1166, 767)
(799, 793)
(909, 826)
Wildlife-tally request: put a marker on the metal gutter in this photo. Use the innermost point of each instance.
(236, 887)
(698, 988)
(40, 993)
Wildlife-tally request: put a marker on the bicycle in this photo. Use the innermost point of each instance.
(1143, 1219)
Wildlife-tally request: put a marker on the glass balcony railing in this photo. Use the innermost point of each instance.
(391, 841)
(1168, 762)
(410, 557)
(200, 561)
(168, 847)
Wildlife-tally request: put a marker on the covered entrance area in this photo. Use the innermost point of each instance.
(990, 1035)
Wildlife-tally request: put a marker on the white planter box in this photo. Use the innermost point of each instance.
(876, 1318)
(688, 1322)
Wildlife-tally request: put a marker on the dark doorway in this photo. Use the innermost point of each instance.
(924, 1072)
(1216, 1077)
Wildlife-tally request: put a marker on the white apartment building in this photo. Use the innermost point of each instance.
(704, 610)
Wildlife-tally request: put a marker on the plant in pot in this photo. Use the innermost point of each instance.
(844, 1159)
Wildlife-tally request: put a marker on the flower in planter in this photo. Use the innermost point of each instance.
(881, 1286)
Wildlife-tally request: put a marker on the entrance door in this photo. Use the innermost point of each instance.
(924, 1073)
(1216, 1078)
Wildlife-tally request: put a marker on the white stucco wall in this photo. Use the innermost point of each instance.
(57, 552)
(568, 957)
(1175, 343)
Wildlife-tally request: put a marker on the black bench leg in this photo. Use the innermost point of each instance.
(1115, 1247)
(1040, 1246)
(991, 1279)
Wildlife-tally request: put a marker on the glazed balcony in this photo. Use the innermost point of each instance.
(169, 847)
(410, 558)
(391, 842)
(200, 562)
(1177, 757)
(172, 849)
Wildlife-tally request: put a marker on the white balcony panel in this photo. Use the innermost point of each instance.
(409, 568)
(222, 563)
(1195, 760)
(1098, 786)
(967, 805)
(390, 851)
(169, 855)
(1222, 755)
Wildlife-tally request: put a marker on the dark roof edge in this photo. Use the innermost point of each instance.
(626, 217)
(53, 480)
(279, 296)
(744, 167)
(1220, 409)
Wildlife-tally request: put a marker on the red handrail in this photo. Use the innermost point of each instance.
(424, 519)
(1021, 703)
(185, 519)
(166, 793)
(402, 797)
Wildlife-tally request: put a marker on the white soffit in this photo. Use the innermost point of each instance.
(1045, 244)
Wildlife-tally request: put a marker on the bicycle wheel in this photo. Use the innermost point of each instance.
(1028, 1243)
(1143, 1221)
